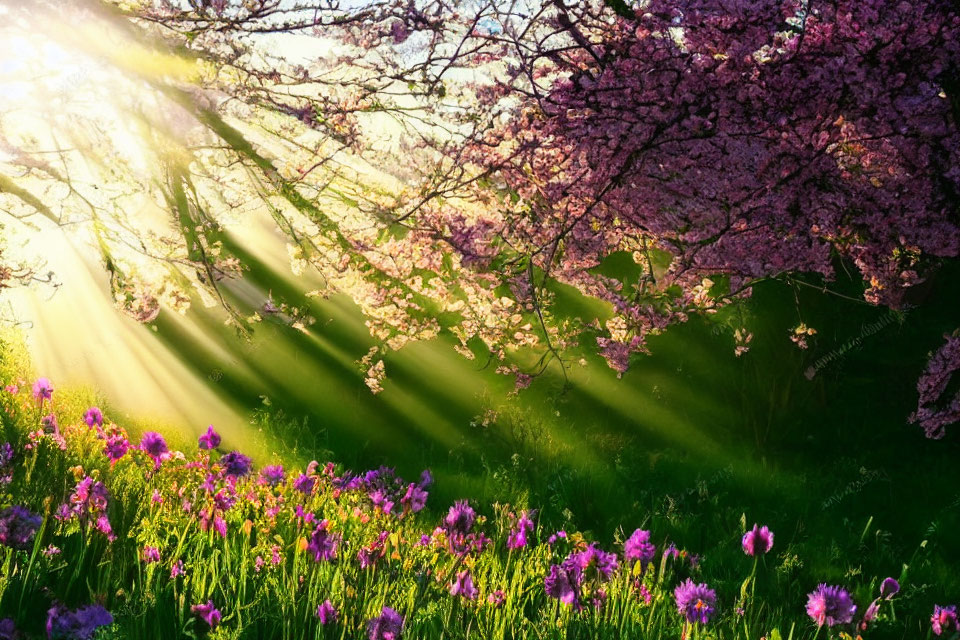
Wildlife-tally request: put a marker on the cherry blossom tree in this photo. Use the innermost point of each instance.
(716, 143)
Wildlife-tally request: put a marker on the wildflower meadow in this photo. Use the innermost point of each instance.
(106, 534)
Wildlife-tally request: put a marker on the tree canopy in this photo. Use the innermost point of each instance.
(451, 166)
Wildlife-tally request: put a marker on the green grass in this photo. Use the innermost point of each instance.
(705, 512)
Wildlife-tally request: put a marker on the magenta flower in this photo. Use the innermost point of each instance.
(369, 554)
(830, 605)
(563, 583)
(42, 390)
(150, 554)
(497, 598)
(220, 525)
(326, 613)
(696, 602)
(415, 498)
(387, 626)
(115, 448)
(460, 518)
(596, 559)
(889, 588)
(88, 502)
(208, 613)
(177, 569)
(463, 586)
(944, 619)
(103, 526)
(93, 417)
(870, 614)
(80, 624)
(638, 548)
(757, 541)
(517, 539)
(271, 475)
(645, 594)
(210, 439)
(153, 444)
(49, 423)
(322, 545)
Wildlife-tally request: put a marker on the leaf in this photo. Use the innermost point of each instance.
(620, 8)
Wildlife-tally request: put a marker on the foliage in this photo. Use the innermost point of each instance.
(519, 147)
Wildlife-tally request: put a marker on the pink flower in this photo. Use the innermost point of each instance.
(757, 541)
(150, 555)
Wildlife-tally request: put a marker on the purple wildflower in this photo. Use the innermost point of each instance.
(8, 630)
(93, 417)
(517, 539)
(757, 541)
(645, 594)
(944, 619)
(638, 548)
(236, 464)
(696, 602)
(116, 448)
(42, 390)
(103, 526)
(463, 586)
(79, 624)
(426, 479)
(460, 518)
(870, 614)
(153, 444)
(387, 626)
(18, 526)
(210, 439)
(6, 463)
(367, 557)
(889, 588)
(306, 517)
(177, 569)
(49, 423)
(89, 503)
(593, 557)
(304, 483)
(830, 605)
(220, 525)
(322, 544)
(208, 613)
(326, 613)
(90, 494)
(563, 583)
(497, 598)
(415, 498)
(271, 475)
(150, 555)
(369, 554)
